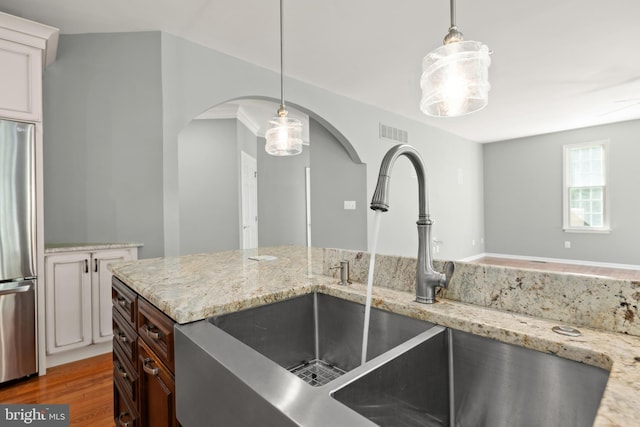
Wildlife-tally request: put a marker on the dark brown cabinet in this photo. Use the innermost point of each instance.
(143, 364)
(157, 389)
(124, 410)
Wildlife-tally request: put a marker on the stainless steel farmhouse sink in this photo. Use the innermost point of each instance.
(276, 358)
(297, 363)
(457, 378)
(316, 336)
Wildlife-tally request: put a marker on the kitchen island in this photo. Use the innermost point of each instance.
(195, 287)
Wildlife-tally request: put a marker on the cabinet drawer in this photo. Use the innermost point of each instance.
(124, 411)
(125, 375)
(156, 329)
(125, 302)
(125, 337)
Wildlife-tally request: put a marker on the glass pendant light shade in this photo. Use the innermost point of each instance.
(284, 136)
(455, 79)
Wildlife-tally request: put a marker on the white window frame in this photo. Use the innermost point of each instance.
(566, 224)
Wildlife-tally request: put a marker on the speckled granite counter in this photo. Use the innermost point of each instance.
(50, 248)
(194, 287)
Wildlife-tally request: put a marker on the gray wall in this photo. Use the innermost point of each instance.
(196, 78)
(281, 198)
(334, 179)
(209, 188)
(247, 141)
(208, 179)
(116, 103)
(103, 141)
(523, 197)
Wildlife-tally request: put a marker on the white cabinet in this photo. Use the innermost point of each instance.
(21, 83)
(101, 305)
(68, 300)
(78, 297)
(26, 47)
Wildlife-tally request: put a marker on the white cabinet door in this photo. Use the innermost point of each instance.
(21, 82)
(68, 302)
(101, 291)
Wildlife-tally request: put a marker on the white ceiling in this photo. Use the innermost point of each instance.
(556, 64)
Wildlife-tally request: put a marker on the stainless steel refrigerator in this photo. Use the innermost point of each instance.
(17, 250)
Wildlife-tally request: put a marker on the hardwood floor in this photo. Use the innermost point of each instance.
(86, 385)
(615, 273)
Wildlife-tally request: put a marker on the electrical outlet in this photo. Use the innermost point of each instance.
(567, 244)
(349, 204)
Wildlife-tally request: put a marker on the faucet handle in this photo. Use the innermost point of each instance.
(445, 278)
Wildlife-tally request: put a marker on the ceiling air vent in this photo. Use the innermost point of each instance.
(393, 134)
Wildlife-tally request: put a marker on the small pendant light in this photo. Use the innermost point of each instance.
(283, 134)
(455, 77)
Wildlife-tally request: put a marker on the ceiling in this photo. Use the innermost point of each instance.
(556, 65)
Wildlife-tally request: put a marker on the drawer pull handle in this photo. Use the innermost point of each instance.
(120, 369)
(123, 374)
(122, 302)
(122, 422)
(152, 332)
(122, 337)
(148, 369)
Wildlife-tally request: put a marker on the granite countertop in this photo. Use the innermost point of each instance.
(194, 287)
(50, 248)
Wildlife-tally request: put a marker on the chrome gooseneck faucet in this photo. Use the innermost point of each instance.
(427, 279)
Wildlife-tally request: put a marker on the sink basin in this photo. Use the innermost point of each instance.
(282, 361)
(417, 373)
(316, 336)
(456, 378)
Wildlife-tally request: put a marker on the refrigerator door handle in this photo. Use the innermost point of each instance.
(14, 289)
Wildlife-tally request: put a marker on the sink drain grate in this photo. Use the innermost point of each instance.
(316, 372)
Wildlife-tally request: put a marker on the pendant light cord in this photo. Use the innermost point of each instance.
(281, 56)
(453, 35)
(453, 13)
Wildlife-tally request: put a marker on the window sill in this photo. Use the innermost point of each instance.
(603, 230)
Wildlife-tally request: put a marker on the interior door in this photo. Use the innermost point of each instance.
(249, 201)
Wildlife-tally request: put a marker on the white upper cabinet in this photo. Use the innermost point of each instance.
(26, 47)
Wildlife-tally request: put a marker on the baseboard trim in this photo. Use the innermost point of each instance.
(553, 260)
(79, 354)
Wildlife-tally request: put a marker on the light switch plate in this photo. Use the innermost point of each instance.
(349, 204)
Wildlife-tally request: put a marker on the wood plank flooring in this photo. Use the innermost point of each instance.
(614, 273)
(86, 385)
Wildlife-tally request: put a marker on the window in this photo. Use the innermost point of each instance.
(585, 187)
